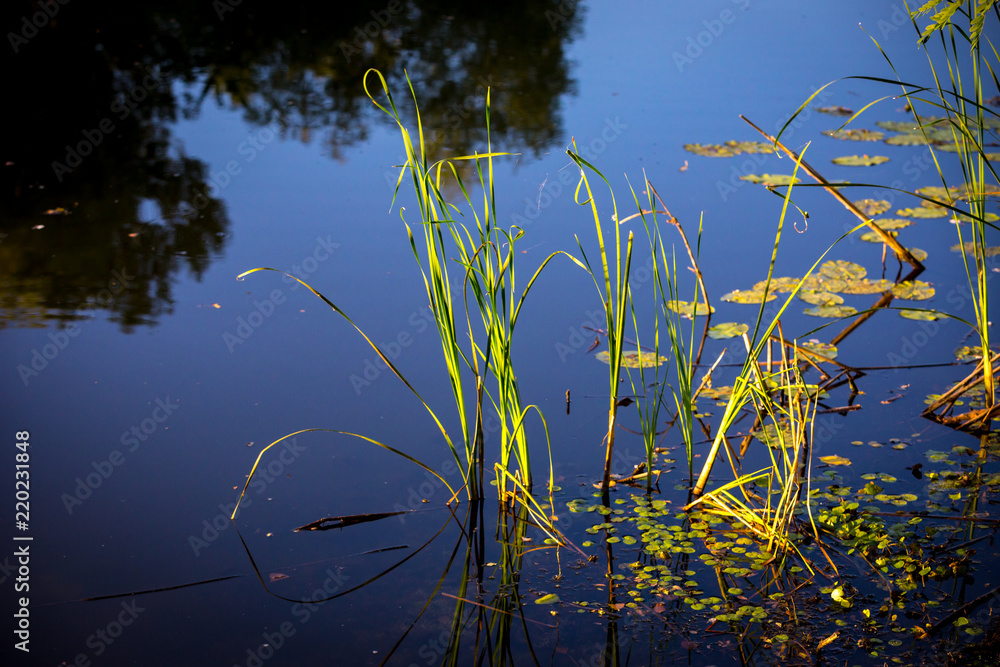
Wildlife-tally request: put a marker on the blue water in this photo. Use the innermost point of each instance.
(144, 423)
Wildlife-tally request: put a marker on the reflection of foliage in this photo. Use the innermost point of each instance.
(138, 204)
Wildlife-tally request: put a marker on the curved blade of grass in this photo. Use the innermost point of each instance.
(330, 430)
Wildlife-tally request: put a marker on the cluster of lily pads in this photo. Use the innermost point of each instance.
(706, 573)
(823, 289)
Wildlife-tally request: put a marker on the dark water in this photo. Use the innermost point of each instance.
(189, 142)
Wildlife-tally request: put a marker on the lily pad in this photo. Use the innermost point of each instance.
(907, 139)
(872, 207)
(970, 246)
(835, 460)
(634, 359)
(835, 111)
(730, 148)
(748, 296)
(918, 254)
(914, 290)
(831, 311)
(842, 269)
(770, 179)
(727, 330)
(783, 284)
(860, 160)
(969, 353)
(923, 212)
(867, 286)
(873, 237)
(893, 223)
(717, 393)
(925, 315)
(823, 349)
(551, 598)
(820, 298)
(855, 135)
(686, 307)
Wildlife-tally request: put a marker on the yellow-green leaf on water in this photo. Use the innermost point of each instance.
(831, 311)
(969, 353)
(906, 139)
(872, 207)
(551, 598)
(685, 308)
(855, 135)
(727, 330)
(918, 254)
(970, 247)
(841, 269)
(867, 286)
(820, 298)
(822, 349)
(835, 111)
(634, 359)
(923, 212)
(893, 223)
(783, 284)
(730, 148)
(748, 296)
(834, 460)
(925, 315)
(914, 290)
(988, 217)
(860, 160)
(770, 179)
(873, 237)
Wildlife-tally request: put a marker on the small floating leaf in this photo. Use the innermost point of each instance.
(873, 237)
(860, 160)
(970, 247)
(831, 311)
(748, 296)
(867, 287)
(841, 269)
(915, 290)
(969, 353)
(923, 212)
(634, 359)
(835, 460)
(820, 298)
(685, 308)
(835, 111)
(727, 330)
(872, 207)
(551, 598)
(770, 179)
(855, 135)
(924, 315)
(822, 349)
(893, 223)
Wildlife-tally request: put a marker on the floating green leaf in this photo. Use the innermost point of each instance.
(918, 254)
(841, 269)
(748, 296)
(855, 135)
(831, 311)
(783, 284)
(925, 315)
(729, 148)
(867, 287)
(893, 223)
(873, 237)
(835, 460)
(686, 307)
(872, 207)
(727, 330)
(969, 353)
(970, 247)
(913, 290)
(820, 298)
(835, 111)
(923, 212)
(860, 160)
(770, 179)
(823, 349)
(635, 359)
(551, 598)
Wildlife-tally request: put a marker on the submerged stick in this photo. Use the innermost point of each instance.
(887, 238)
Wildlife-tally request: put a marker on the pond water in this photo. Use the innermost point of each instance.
(158, 151)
